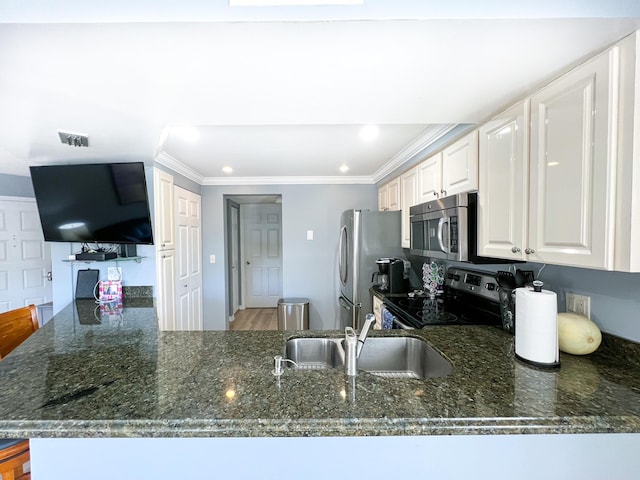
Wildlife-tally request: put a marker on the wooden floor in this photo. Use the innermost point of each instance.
(255, 319)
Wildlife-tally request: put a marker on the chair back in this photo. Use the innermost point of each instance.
(15, 327)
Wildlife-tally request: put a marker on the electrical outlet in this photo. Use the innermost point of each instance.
(580, 304)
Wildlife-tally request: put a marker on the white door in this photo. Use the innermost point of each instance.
(504, 184)
(460, 166)
(572, 167)
(430, 179)
(188, 260)
(25, 258)
(235, 258)
(262, 232)
(408, 190)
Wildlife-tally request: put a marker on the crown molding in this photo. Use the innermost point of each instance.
(177, 166)
(431, 134)
(362, 180)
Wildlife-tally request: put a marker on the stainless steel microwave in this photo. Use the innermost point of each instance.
(439, 229)
(447, 229)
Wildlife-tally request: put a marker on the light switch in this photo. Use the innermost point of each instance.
(212, 259)
(309, 234)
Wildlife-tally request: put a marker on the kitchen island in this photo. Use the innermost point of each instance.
(92, 373)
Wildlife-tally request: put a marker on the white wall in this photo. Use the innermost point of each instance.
(308, 266)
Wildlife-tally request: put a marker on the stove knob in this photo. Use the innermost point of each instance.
(490, 286)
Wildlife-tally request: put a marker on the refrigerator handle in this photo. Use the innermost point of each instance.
(342, 264)
(345, 303)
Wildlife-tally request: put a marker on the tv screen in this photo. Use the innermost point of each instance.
(93, 203)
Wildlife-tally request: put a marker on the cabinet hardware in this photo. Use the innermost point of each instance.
(529, 251)
(515, 250)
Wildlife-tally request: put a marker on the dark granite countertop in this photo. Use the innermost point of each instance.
(88, 374)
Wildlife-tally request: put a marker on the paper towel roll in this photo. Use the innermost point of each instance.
(536, 328)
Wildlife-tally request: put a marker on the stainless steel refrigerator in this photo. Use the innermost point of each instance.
(365, 236)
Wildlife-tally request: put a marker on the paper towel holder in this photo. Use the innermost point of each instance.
(537, 288)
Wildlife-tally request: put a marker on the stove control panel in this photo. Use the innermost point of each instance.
(482, 284)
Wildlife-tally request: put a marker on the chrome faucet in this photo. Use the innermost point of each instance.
(353, 345)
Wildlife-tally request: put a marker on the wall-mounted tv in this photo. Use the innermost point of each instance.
(93, 203)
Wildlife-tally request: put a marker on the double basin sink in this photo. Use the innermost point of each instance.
(389, 357)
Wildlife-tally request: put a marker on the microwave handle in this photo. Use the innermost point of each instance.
(441, 224)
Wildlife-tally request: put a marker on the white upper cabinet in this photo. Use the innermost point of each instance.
(394, 194)
(383, 198)
(460, 166)
(573, 166)
(430, 178)
(451, 171)
(503, 184)
(389, 196)
(408, 198)
(163, 209)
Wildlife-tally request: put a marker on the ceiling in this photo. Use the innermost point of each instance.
(279, 94)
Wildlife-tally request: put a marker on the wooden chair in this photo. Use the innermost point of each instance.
(15, 327)
(14, 453)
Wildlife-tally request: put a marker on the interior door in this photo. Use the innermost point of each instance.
(262, 233)
(188, 260)
(25, 258)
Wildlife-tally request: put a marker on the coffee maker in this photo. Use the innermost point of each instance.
(390, 275)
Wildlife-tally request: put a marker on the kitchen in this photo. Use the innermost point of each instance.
(296, 205)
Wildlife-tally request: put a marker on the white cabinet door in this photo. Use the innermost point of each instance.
(383, 198)
(430, 178)
(460, 166)
(503, 184)
(163, 208)
(572, 168)
(165, 289)
(394, 194)
(408, 184)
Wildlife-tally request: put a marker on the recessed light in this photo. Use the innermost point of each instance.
(344, 168)
(227, 169)
(186, 132)
(369, 132)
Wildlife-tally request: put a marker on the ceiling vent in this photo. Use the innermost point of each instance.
(74, 139)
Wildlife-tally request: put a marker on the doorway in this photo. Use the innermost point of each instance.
(254, 260)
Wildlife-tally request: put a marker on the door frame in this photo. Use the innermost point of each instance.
(230, 200)
(231, 206)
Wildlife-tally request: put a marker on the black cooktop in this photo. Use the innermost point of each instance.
(461, 303)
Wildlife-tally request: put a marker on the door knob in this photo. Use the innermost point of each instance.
(529, 251)
(515, 250)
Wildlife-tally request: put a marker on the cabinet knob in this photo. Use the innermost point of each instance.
(515, 250)
(529, 251)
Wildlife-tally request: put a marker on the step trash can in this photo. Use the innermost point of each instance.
(293, 314)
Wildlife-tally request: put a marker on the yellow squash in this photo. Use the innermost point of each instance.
(577, 334)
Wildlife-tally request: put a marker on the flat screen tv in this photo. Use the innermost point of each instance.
(93, 203)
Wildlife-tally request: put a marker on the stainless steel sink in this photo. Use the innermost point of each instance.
(389, 357)
(312, 353)
(402, 357)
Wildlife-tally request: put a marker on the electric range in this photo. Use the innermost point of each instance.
(469, 298)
